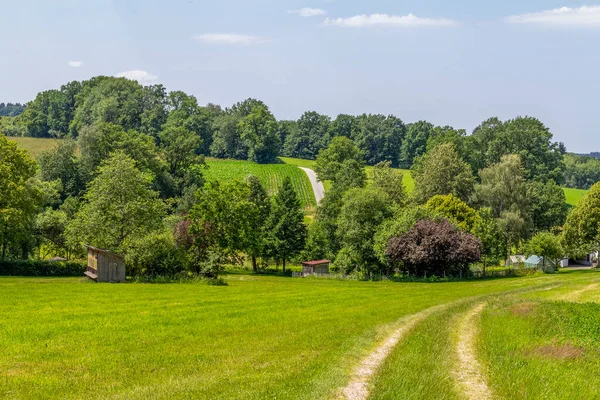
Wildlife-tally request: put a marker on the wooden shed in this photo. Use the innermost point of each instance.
(315, 267)
(104, 266)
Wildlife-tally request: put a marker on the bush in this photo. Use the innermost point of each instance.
(156, 255)
(42, 268)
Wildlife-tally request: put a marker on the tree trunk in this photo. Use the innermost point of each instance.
(284, 265)
(254, 268)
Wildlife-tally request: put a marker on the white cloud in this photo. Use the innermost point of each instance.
(75, 64)
(229, 39)
(385, 20)
(308, 12)
(143, 77)
(565, 16)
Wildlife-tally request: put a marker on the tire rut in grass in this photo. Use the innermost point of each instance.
(468, 371)
(358, 387)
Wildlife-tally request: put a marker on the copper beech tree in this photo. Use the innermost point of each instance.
(434, 248)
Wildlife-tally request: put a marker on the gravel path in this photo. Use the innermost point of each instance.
(316, 184)
(468, 372)
(358, 387)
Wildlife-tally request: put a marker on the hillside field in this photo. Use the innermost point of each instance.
(273, 337)
(36, 145)
(271, 175)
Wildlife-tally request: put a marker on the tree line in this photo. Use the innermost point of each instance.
(128, 177)
(11, 110)
(248, 130)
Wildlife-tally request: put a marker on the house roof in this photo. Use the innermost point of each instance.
(316, 262)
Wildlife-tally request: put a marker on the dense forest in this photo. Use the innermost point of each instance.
(128, 177)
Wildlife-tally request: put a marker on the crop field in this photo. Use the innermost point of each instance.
(271, 175)
(260, 337)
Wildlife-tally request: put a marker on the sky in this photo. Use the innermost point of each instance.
(449, 62)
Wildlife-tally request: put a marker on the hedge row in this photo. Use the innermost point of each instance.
(41, 268)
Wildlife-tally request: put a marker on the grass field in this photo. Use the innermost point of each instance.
(574, 196)
(271, 175)
(34, 146)
(259, 337)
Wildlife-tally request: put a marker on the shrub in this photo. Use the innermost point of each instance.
(156, 255)
(434, 248)
(42, 268)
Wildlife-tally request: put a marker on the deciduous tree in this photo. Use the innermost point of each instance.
(440, 172)
(119, 205)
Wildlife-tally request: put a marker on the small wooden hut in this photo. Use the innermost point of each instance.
(104, 266)
(315, 267)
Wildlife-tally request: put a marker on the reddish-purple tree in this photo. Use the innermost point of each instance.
(434, 248)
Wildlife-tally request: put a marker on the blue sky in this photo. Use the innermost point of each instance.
(450, 62)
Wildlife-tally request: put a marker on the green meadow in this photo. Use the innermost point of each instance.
(272, 337)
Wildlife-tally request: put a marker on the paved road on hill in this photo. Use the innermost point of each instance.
(316, 184)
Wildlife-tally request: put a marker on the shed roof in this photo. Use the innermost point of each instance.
(316, 262)
(104, 251)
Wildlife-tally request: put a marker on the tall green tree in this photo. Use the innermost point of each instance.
(503, 187)
(20, 197)
(379, 137)
(363, 212)
(547, 205)
(259, 131)
(116, 101)
(581, 232)
(62, 163)
(414, 144)
(547, 246)
(119, 205)
(222, 225)
(390, 182)
(287, 231)
(311, 136)
(527, 137)
(492, 239)
(259, 197)
(184, 166)
(97, 142)
(442, 171)
(330, 161)
(184, 112)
